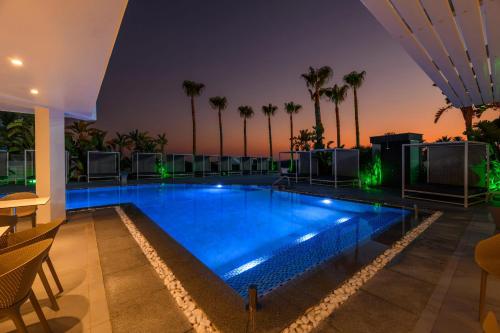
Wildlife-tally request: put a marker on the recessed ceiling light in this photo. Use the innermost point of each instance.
(16, 62)
(34, 91)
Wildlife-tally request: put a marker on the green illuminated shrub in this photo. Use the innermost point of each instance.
(371, 173)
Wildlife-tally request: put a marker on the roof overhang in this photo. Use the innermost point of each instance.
(65, 48)
(455, 42)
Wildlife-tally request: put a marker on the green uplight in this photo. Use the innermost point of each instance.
(162, 170)
(494, 176)
(32, 182)
(371, 175)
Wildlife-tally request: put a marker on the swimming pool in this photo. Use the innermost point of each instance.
(249, 234)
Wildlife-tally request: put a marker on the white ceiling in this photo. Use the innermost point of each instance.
(449, 39)
(65, 46)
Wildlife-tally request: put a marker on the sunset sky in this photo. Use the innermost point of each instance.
(253, 52)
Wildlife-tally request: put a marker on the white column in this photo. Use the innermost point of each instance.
(50, 164)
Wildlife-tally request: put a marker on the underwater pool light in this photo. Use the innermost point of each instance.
(245, 267)
(326, 201)
(343, 219)
(218, 185)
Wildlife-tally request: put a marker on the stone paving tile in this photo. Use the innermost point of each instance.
(425, 269)
(117, 244)
(151, 312)
(365, 312)
(115, 261)
(401, 290)
(129, 284)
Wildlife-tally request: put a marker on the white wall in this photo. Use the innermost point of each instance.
(50, 164)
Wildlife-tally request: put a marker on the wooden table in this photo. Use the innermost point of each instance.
(16, 203)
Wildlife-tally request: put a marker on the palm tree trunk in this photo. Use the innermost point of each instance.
(337, 119)
(319, 124)
(270, 137)
(245, 137)
(468, 114)
(220, 135)
(194, 124)
(291, 132)
(356, 118)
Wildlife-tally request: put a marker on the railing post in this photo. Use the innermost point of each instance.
(466, 174)
(252, 306)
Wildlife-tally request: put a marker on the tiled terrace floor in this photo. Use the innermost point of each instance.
(432, 286)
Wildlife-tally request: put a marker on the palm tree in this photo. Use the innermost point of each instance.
(337, 95)
(219, 103)
(161, 141)
(291, 108)
(193, 89)
(315, 79)
(246, 112)
(120, 142)
(302, 141)
(98, 138)
(269, 110)
(20, 134)
(141, 141)
(444, 138)
(355, 81)
(79, 131)
(469, 113)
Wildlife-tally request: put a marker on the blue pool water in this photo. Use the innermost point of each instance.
(249, 234)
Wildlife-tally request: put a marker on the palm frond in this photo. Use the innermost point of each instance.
(292, 108)
(440, 112)
(218, 103)
(192, 88)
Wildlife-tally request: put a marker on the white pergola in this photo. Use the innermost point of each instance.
(455, 42)
(53, 57)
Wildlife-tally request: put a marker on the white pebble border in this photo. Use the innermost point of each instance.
(194, 314)
(314, 315)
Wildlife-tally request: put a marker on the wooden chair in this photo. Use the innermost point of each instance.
(490, 324)
(487, 256)
(7, 220)
(22, 238)
(29, 211)
(18, 269)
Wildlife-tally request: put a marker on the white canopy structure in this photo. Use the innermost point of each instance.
(455, 42)
(144, 165)
(451, 172)
(53, 58)
(336, 167)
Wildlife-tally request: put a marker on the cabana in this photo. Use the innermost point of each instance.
(4, 166)
(201, 165)
(103, 165)
(293, 164)
(246, 165)
(29, 166)
(180, 165)
(450, 172)
(263, 164)
(336, 167)
(215, 165)
(230, 165)
(144, 165)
